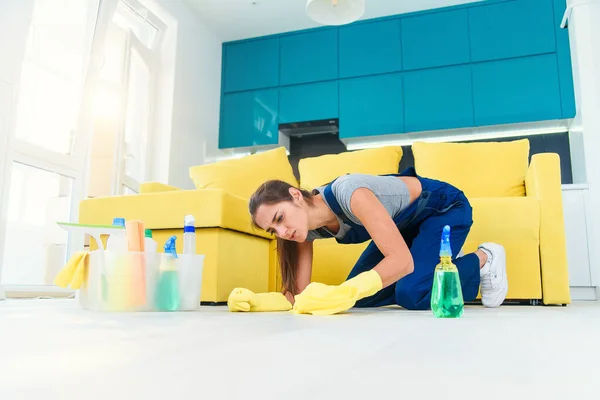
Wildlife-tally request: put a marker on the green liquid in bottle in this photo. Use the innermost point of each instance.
(446, 293)
(167, 291)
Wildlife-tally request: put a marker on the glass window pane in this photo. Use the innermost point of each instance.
(136, 123)
(52, 74)
(34, 245)
(113, 55)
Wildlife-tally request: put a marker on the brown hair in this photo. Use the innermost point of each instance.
(273, 192)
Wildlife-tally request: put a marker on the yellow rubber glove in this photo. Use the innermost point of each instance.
(321, 299)
(367, 283)
(245, 300)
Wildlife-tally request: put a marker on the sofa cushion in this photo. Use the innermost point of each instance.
(491, 169)
(244, 175)
(166, 210)
(316, 171)
(515, 224)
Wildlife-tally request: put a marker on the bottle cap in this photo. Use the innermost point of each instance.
(189, 220)
(148, 233)
(119, 222)
(445, 249)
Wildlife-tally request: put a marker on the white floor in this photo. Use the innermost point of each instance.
(51, 349)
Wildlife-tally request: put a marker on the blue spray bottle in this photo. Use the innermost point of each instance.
(167, 290)
(446, 293)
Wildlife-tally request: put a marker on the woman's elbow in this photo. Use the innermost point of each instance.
(407, 265)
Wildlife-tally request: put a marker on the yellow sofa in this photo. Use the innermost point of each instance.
(526, 218)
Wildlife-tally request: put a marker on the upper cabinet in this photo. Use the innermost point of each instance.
(438, 98)
(512, 29)
(516, 90)
(308, 102)
(370, 48)
(435, 40)
(249, 118)
(308, 57)
(253, 64)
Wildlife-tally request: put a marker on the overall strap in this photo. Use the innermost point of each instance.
(334, 205)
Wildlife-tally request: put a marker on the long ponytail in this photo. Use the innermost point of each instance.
(273, 192)
(287, 252)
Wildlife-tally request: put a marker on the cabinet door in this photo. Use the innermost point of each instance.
(434, 40)
(371, 106)
(249, 119)
(511, 29)
(439, 98)
(309, 57)
(574, 209)
(251, 65)
(370, 48)
(308, 102)
(516, 90)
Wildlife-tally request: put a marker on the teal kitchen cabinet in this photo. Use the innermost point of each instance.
(249, 118)
(370, 48)
(308, 102)
(252, 64)
(371, 105)
(516, 90)
(439, 98)
(435, 40)
(308, 56)
(511, 29)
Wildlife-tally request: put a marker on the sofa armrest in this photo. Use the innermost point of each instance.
(156, 187)
(543, 181)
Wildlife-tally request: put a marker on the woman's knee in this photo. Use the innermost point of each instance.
(412, 298)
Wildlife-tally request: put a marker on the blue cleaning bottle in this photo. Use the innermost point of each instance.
(446, 293)
(167, 290)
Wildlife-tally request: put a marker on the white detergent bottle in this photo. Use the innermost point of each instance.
(118, 243)
(189, 235)
(150, 245)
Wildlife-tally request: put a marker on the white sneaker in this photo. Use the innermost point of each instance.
(494, 283)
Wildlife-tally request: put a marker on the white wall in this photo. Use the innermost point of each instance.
(584, 35)
(189, 94)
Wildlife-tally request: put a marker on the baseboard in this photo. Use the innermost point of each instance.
(583, 293)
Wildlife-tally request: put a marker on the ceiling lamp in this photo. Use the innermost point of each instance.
(335, 12)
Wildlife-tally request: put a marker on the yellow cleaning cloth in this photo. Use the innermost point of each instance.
(321, 299)
(74, 272)
(245, 300)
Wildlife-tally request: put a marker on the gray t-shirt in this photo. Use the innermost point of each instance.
(391, 191)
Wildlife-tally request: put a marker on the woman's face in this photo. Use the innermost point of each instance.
(287, 219)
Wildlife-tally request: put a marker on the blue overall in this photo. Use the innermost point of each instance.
(421, 225)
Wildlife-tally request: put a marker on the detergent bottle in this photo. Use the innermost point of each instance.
(117, 243)
(446, 293)
(189, 235)
(150, 244)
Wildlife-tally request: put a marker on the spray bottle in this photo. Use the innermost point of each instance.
(167, 290)
(189, 235)
(446, 293)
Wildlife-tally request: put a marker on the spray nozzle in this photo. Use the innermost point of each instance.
(170, 246)
(445, 250)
